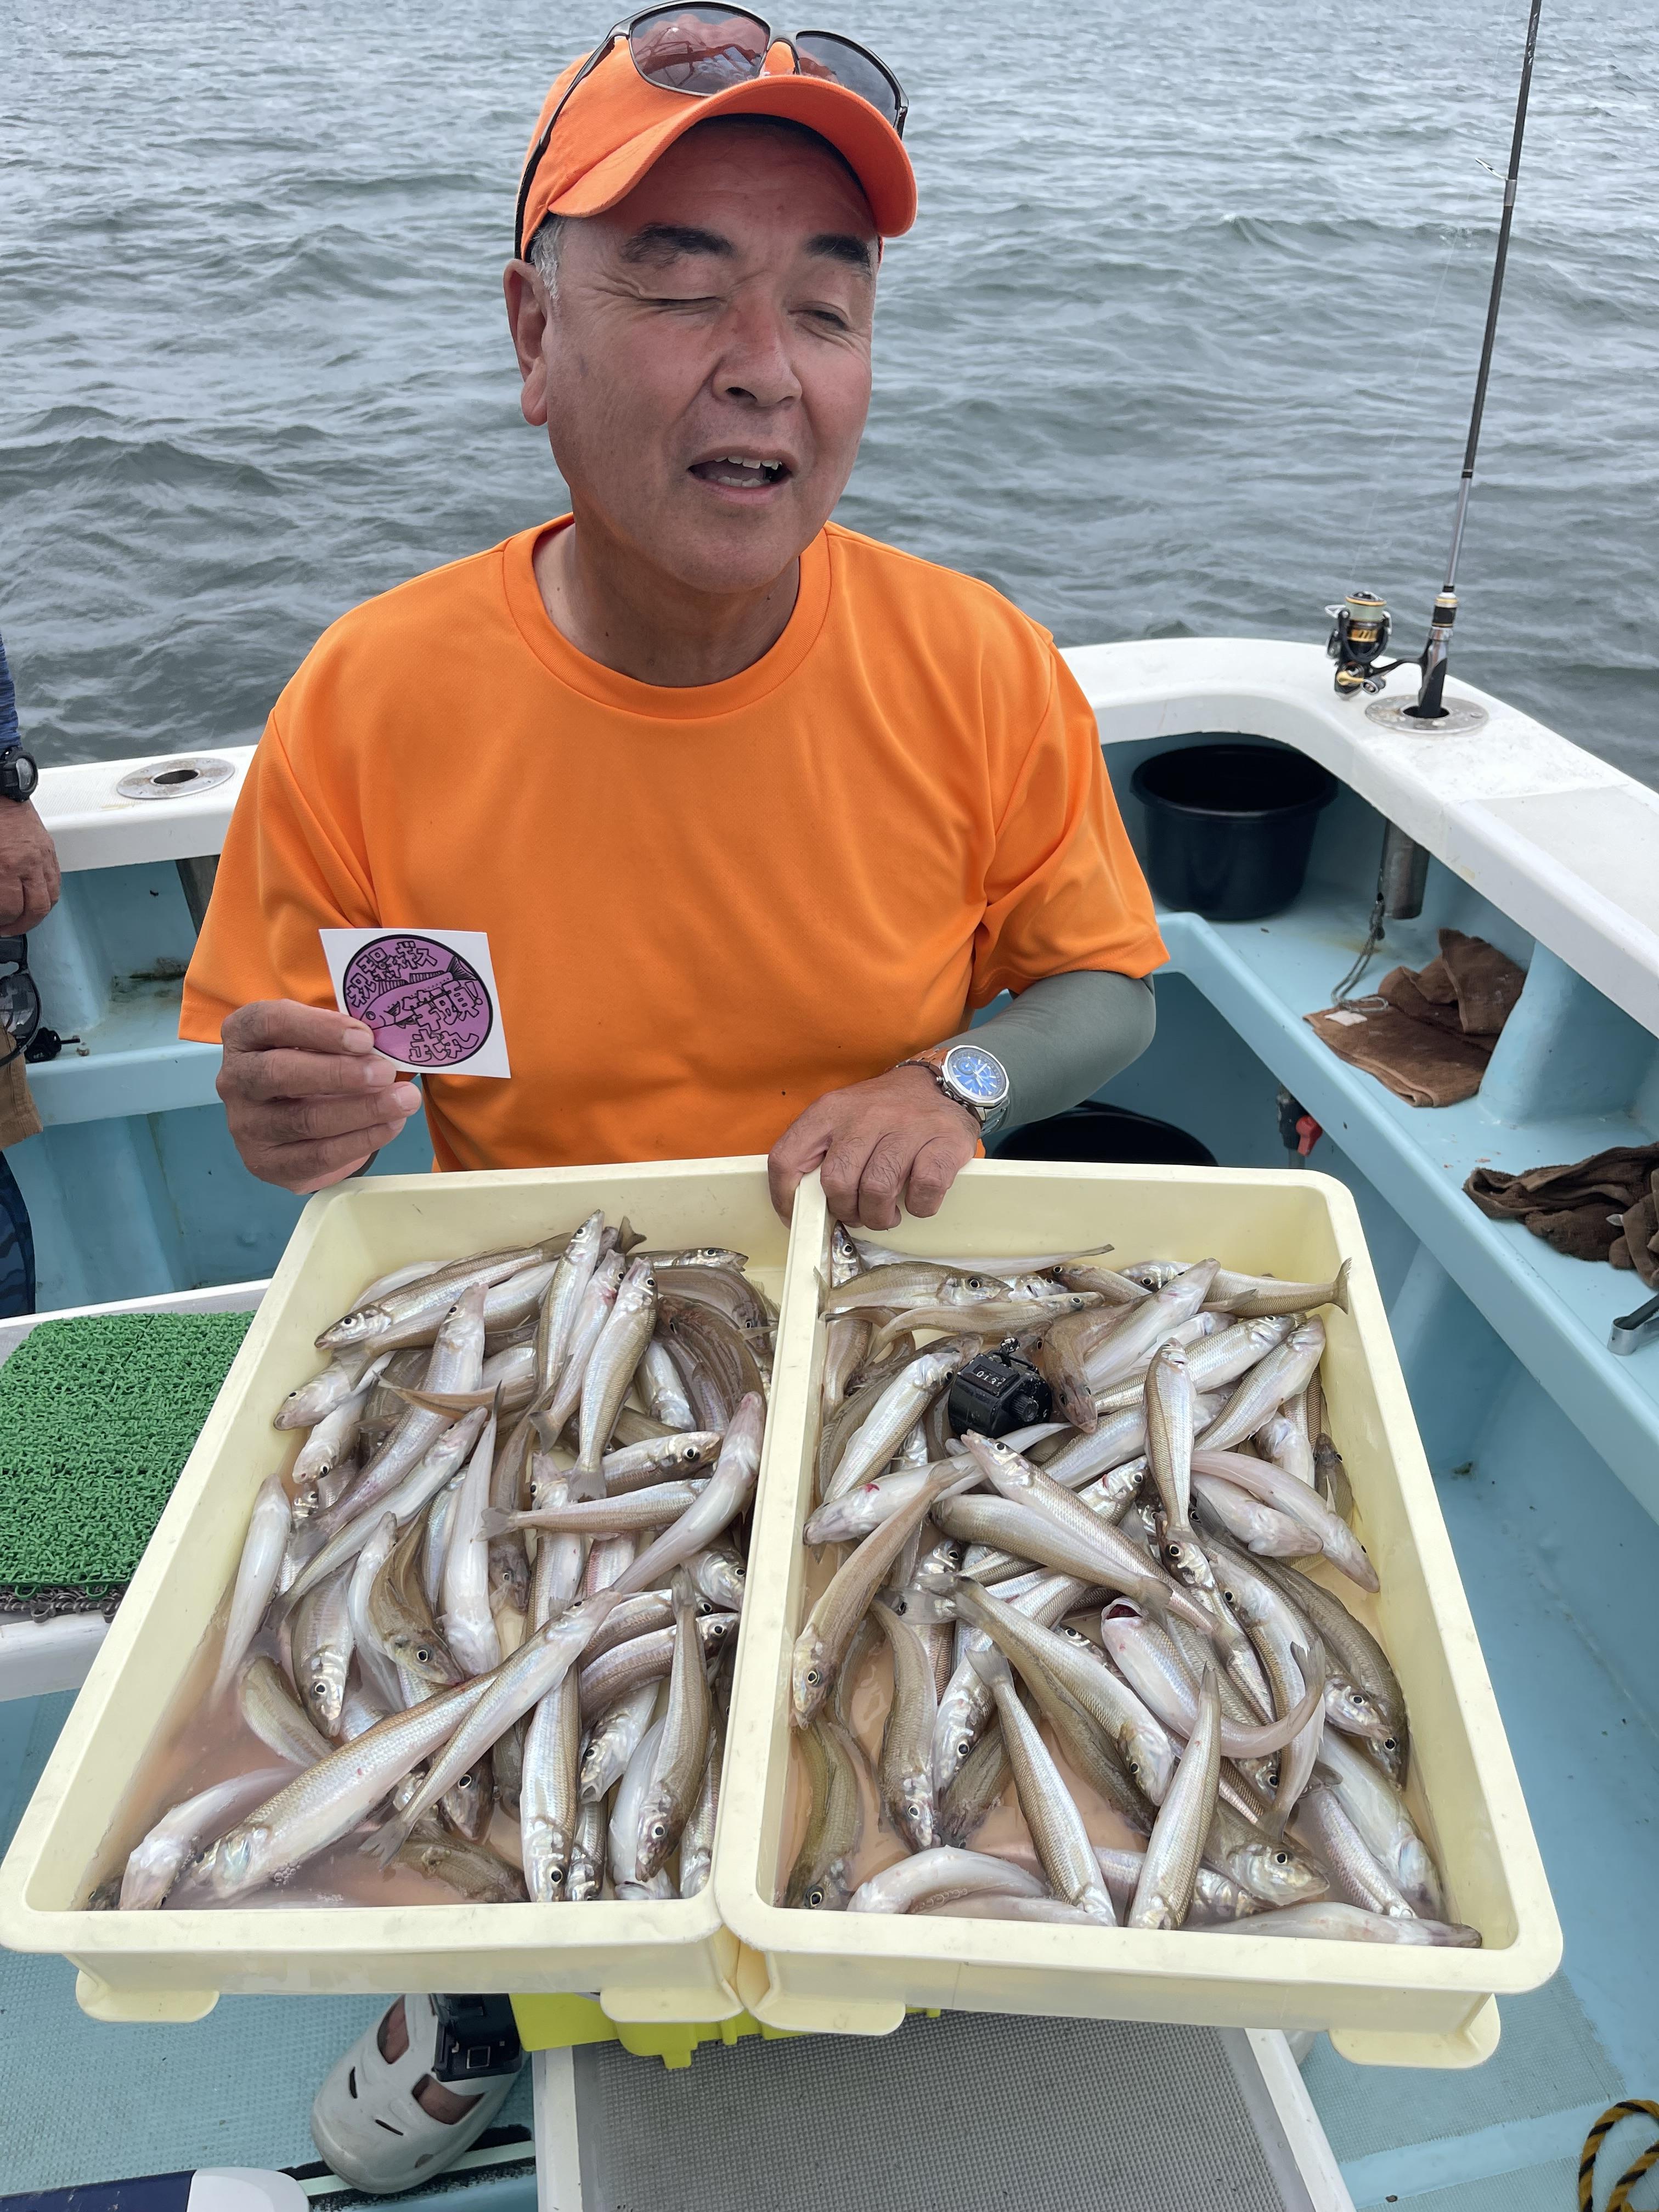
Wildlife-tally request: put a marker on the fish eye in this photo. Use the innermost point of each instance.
(422, 1655)
(815, 1898)
(659, 1830)
(1281, 1858)
(1390, 1743)
(814, 1677)
(556, 1878)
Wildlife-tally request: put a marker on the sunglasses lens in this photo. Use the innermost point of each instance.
(823, 54)
(697, 49)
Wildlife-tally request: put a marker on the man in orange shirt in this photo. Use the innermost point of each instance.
(753, 811)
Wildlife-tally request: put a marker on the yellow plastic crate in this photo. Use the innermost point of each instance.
(858, 1972)
(652, 1961)
(558, 2022)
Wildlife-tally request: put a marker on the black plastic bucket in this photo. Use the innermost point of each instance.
(1230, 827)
(1096, 1131)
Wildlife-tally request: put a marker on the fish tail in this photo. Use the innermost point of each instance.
(1340, 1287)
(384, 1845)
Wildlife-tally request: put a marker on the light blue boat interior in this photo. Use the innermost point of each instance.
(1544, 1448)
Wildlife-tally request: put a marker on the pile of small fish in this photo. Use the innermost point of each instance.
(488, 1613)
(1114, 1604)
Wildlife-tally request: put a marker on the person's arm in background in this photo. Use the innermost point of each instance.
(29, 882)
(1068, 928)
(308, 1100)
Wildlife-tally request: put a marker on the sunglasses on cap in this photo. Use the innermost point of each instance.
(700, 50)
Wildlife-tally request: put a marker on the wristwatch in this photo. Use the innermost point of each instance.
(969, 1075)
(18, 776)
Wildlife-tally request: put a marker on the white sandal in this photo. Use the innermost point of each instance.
(386, 2124)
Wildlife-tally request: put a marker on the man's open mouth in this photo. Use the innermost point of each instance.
(741, 471)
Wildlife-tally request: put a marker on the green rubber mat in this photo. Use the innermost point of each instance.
(97, 1417)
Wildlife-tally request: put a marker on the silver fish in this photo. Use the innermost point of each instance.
(327, 1802)
(155, 1863)
(587, 1875)
(903, 1402)
(652, 1507)
(821, 1879)
(334, 1437)
(684, 1749)
(610, 1367)
(828, 1631)
(313, 1401)
(592, 1311)
(1284, 1372)
(540, 1662)
(1385, 1825)
(1357, 1654)
(1057, 1828)
(462, 1607)
(723, 1498)
(269, 1707)
(1144, 1655)
(718, 1576)
(1348, 1923)
(624, 1836)
(605, 1681)
(414, 1315)
(905, 1769)
(549, 1807)
(659, 1384)
(559, 1559)
(1274, 1487)
(1170, 1428)
(1324, 1823)
(564, 1296)
(455, 1366)
(941, 1872)
(697, 1837)
(1072, 1661)
(1282, 1441)
(416, 1490)
(659, 1458)
(323, 1645)
(1261, 1529)
(1169, 1872)
(269, 1528)
(613, 1742)
(1253, 1295)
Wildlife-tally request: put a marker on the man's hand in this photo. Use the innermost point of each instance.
(308, 1097)
(29, 881)
(897, 1138)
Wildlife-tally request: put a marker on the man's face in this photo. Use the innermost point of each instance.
(717, 318)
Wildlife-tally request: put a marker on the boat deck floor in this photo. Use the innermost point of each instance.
(235, 2088)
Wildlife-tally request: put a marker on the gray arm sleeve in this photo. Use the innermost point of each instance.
(1064, 1036)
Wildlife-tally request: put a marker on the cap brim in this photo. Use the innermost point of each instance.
(871, 146)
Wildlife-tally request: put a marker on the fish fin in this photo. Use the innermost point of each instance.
(1155, 1599)
(495, 1521)
(992, 1667)
(386, 1843)
(1340, 1287)
(443, 1402)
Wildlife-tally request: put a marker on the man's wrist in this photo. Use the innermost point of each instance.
(970, 1077)
(19, 775)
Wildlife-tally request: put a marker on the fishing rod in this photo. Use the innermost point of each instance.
(1362, 620)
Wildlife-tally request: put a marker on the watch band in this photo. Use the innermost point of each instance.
(933, 1061)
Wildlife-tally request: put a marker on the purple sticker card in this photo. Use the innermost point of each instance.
(429, 996)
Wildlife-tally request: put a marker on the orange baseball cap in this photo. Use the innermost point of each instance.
(616, 125)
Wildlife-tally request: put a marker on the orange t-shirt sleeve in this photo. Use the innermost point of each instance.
(1065, 890)
(285, 873)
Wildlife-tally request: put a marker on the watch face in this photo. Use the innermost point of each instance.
(979, 1075)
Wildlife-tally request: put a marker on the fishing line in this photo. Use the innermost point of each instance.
(1380, 475)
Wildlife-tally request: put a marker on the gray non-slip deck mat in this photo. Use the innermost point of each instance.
(959, 2114)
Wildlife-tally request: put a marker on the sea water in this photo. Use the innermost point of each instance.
(1182, 343)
